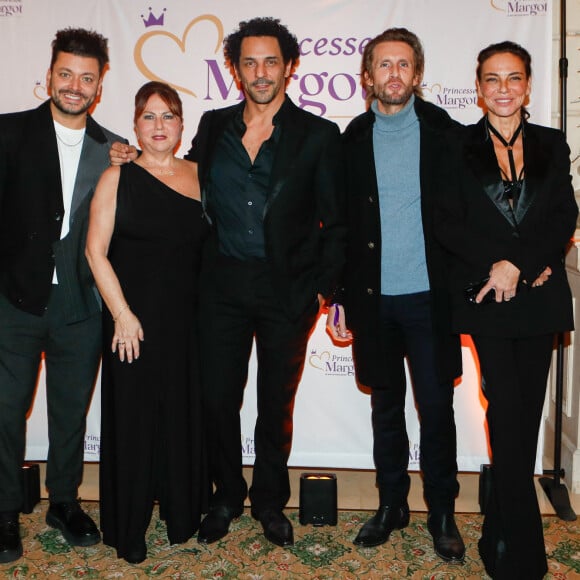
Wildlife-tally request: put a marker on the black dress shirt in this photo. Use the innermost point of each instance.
(239, 190)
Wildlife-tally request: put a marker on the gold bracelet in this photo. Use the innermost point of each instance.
(115, 318)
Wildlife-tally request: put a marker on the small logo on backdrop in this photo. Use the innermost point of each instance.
(92, 446)
(248, 448)
(520, 7)
(450, 97)
(10, 8)
(153, 20)
(414, 454)
(331, 364)
(39, 91)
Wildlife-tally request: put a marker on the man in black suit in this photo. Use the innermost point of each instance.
(50, 160)
(396, 299)
(270, 179)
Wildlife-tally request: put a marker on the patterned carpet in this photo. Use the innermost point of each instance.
(319, 553)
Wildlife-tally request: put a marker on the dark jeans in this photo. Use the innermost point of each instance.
(239, 303)
(407, 332)
(72, 353)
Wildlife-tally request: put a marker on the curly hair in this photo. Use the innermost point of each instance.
(261, 27)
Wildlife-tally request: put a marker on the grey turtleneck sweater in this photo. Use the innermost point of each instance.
(396, 143)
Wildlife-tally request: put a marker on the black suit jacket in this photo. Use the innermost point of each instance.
(32, 212)
(304, 226)
(478, 229)
(362, 285)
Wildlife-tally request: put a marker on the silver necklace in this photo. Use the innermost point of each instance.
(70, 144)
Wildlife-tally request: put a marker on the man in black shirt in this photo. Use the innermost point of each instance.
(271, 186)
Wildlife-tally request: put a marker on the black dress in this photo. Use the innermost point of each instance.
(151, 446)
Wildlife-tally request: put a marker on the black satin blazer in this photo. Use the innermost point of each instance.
(476, 225)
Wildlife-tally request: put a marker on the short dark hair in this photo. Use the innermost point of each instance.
(167, 94)
(502, 47)
(81, 42)
(395, 35)
(261, 27)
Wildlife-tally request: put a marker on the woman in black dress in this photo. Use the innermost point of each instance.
(144, 242)
(505, 215)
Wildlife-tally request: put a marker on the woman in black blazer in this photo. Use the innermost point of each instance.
(505, 216)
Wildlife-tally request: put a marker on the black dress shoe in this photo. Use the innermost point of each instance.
(77, 528)
(10, 542)
(378, 529)
(447, 540)
(277, 527)
(216, 523)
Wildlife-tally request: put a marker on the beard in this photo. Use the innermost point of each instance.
(389, 98)
(262, 97)
(72, 109)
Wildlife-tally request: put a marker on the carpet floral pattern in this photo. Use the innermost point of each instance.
(319, 553)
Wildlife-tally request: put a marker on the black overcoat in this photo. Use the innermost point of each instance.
(362, 281)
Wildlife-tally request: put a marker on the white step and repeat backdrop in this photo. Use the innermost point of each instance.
(179, 41)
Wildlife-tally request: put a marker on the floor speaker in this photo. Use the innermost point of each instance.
(30, 486)
(318, 502)
(484, 486)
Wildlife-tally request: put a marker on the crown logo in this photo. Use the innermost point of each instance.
(151, 20)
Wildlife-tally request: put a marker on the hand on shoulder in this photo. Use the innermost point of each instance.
(121, 153)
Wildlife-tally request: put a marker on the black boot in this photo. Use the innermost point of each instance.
(378, 529)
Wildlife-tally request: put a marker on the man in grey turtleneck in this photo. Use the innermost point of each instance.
(396, 302)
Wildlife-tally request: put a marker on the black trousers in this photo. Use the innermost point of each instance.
(407, 332)
(238, 303)
(71, 353)
(515, 372)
